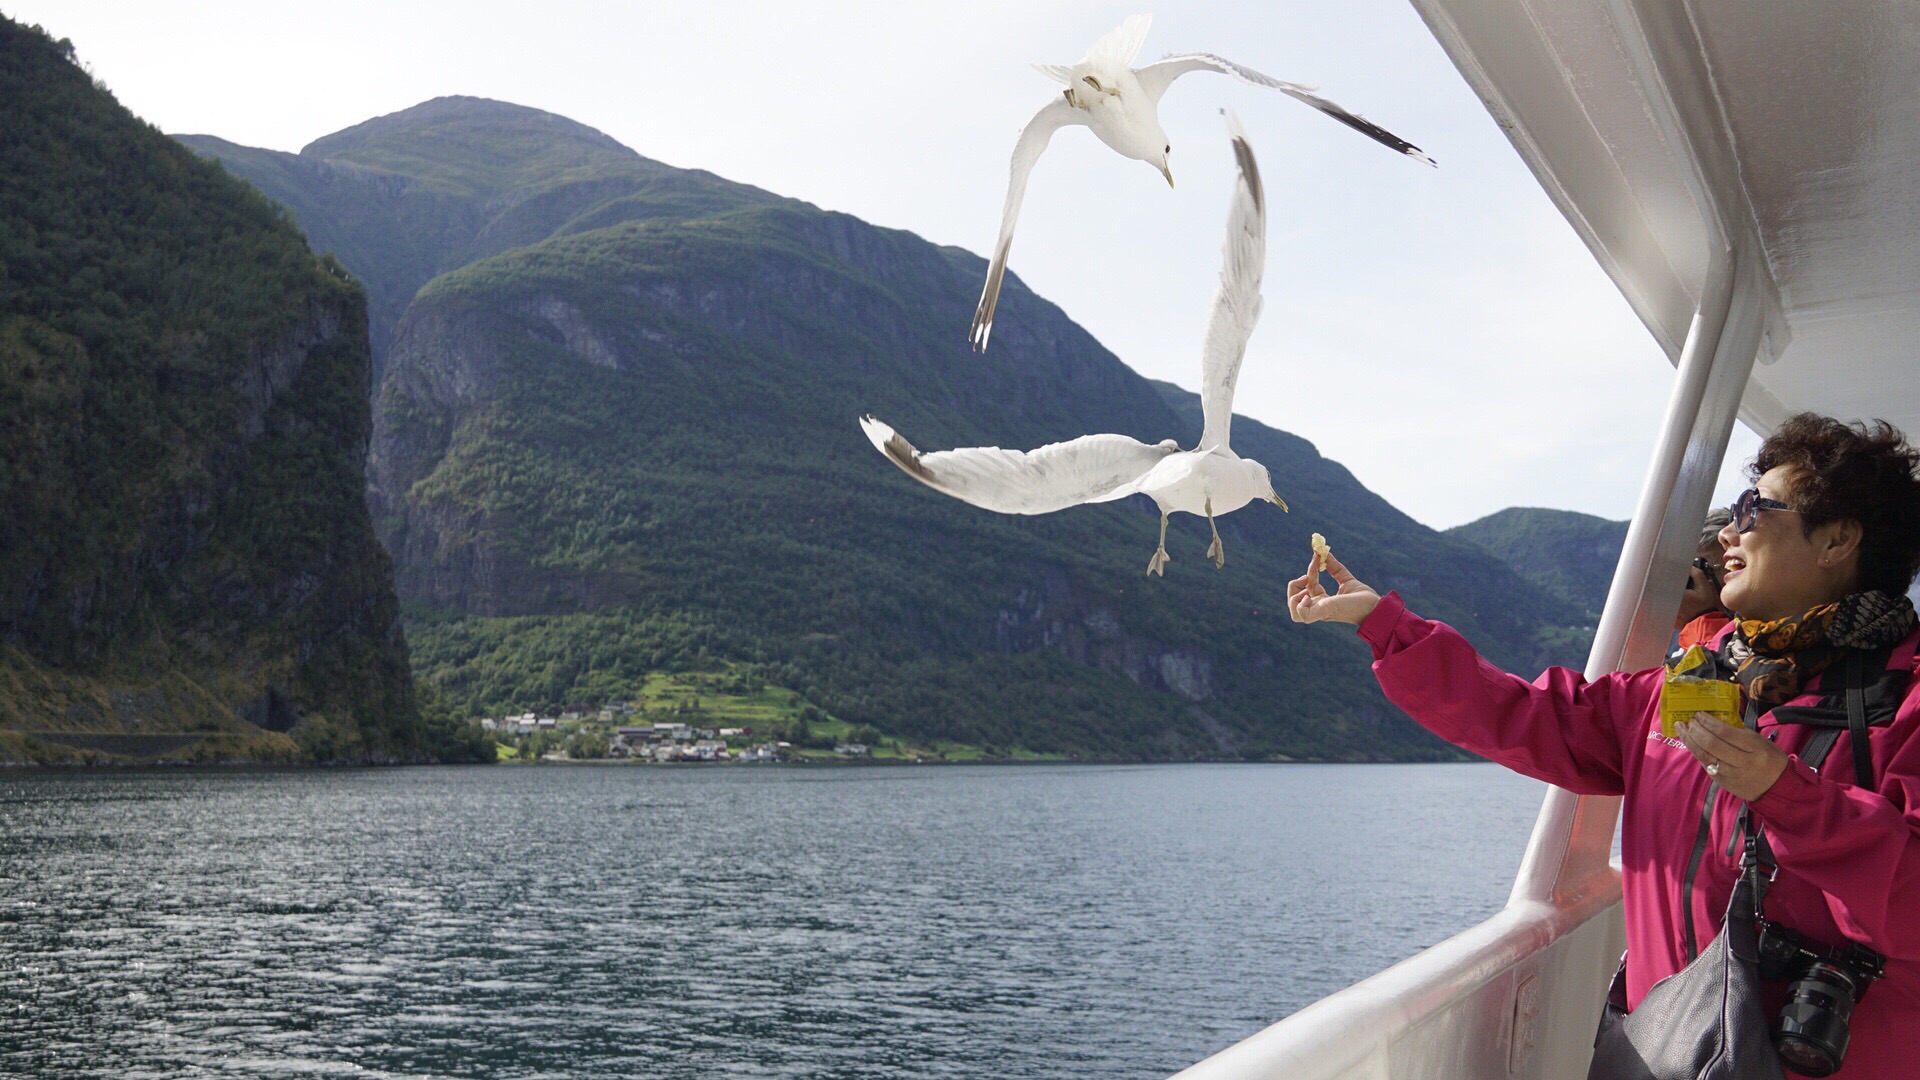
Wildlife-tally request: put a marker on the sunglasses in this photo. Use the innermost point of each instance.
(1746, 509)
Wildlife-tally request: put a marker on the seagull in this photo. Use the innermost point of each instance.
(1210, 479)
(1122, 106)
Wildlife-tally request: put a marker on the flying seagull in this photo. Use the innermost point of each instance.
(1122, 106)
(1209, 479)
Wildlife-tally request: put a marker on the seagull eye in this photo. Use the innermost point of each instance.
(1167, 149)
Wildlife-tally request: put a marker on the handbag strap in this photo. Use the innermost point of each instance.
(1691, 937)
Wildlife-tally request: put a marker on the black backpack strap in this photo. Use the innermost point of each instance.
(1868, 696)
(1757, 864)
(1886, 691)
(1857, 719)
(1818, 747)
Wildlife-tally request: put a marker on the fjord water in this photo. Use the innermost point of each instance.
(1037, 921)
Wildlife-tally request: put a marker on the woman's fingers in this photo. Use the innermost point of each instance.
(1727, 742)
(1745, 763)
(1338, 569)
(1686, 729)
(1302, 594)
(1309, 601)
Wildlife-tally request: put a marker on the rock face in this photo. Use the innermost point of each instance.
(185, 557)
(632, 444)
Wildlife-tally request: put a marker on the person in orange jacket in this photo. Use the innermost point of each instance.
(1701, 618)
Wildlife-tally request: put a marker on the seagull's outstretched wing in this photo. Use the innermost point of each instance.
(1033, 140)
(1089, 469)
(1155, 78)
(1236, 307)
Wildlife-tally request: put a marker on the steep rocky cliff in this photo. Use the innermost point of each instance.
(187, 567)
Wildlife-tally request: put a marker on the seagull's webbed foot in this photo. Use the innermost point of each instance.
(1158, 564)
(1071, 100)
(1215, 551)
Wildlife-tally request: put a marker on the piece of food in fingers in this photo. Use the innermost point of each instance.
(1321, 550)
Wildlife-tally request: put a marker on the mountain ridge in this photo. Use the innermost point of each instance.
(407, 196)
(632, 447)
(1564, 552)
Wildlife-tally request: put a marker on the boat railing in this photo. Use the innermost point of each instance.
(1516, 995)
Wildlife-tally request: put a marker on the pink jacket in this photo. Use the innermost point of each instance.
(1849, 858)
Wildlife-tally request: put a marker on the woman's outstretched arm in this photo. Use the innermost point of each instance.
(1558, 728)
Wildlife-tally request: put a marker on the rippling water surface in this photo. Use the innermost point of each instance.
(1039, 921)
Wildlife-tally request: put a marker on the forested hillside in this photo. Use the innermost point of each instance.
(187, 567)
(629, 445)
(1569, 554)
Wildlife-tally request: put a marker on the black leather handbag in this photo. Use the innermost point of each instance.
(1706, 1021)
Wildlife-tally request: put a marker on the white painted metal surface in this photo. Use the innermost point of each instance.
(1748, 173)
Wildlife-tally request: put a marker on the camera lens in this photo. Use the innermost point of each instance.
(1811, 1034)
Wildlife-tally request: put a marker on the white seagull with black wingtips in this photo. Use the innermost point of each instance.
(1208, 480)
(1121, 104)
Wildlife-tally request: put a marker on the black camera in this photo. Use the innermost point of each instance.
(1811, 1033)
(1712, 573)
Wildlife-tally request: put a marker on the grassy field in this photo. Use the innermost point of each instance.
(719, 699)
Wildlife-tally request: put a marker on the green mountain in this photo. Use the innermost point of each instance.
(187, 567)
(630, 446)
(402, 199)
(1569, 554)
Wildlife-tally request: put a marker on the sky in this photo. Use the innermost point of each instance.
(1443, 333)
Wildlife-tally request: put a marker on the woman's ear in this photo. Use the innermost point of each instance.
(1838, 542)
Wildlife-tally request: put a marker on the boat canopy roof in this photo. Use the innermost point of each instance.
(1790, 130)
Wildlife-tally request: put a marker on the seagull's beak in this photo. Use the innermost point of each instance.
(1167, 172)
(1277, 501)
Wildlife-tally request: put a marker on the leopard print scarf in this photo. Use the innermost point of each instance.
(1773, 659)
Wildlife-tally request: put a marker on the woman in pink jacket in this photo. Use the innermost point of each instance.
(1819, 557)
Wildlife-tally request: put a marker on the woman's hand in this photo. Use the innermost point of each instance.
(1743, 762)
(1308, 602)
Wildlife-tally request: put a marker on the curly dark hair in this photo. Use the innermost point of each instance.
(1866, 472)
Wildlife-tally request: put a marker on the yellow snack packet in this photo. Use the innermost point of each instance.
(1694, 660)
(1682, 695)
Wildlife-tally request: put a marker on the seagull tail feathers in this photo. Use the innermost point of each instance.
(1060, 73)
(1120, 45)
